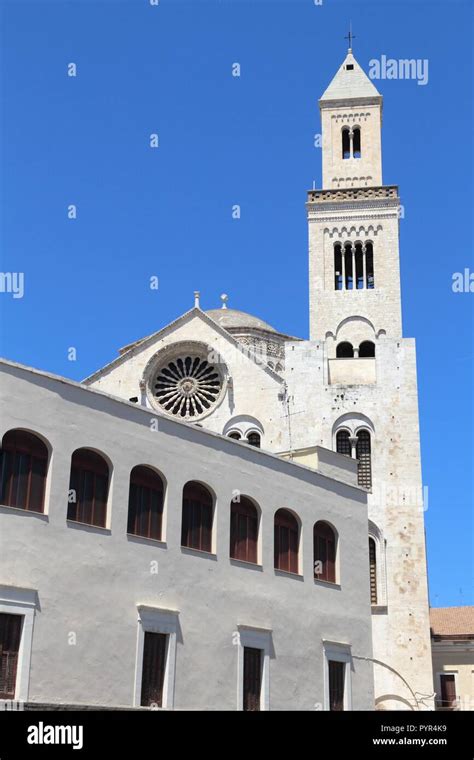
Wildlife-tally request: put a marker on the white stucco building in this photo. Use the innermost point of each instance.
(234, 514)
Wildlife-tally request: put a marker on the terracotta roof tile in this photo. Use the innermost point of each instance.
(452, 621)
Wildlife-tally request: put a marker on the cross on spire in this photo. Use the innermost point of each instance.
(350, 36)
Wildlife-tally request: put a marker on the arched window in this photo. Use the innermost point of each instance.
(338, 266)
(235, 435)
(344, 350)
(369, 265)
(367, 349)
(356, 142)
(373, 571)
(359, 267)
(145, 503)
(343, 444)
(88, 488)
(363, 453)
(23, 467)
(324, 547)
(348, 260)
(346, 143)
(253, 439)
(286, 541)
(243, 530)
(196, 528)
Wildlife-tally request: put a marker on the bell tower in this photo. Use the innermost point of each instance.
(364, 392)
(354, 219)
(351, 116)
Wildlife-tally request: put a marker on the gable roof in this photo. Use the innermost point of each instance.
(132, 348)
(350, 84)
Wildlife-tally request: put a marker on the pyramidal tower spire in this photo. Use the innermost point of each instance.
(351, 117)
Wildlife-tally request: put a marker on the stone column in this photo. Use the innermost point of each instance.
(353, 442)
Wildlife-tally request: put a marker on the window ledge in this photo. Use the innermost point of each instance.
(327, 584)
(198, 552)
(245, 563)
(20, 511)
(137, 539)
(288, 574)
(88, 527)
(379, 609)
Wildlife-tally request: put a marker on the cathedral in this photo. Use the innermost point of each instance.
(227, 516)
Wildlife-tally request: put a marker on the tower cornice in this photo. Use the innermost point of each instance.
(376, 100)
(352, 194)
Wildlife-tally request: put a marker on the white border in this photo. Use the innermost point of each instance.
(21, 601)
(157, 620)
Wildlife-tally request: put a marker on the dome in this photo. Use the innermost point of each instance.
(235, 319)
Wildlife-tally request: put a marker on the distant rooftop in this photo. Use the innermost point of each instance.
(235, 318)
(452, 622)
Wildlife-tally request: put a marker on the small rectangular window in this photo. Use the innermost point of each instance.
(336, 685)
(154, 666)
(448, 691)
(10, 636)
(252, 679)
(350, 67)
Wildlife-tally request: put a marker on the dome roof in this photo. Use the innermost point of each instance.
(233, 318)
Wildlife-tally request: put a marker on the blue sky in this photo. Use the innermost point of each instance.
(166, 69)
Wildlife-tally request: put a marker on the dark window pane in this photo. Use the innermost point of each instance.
(343, 443)
(448, 691)
(196, 529)
(90, 480)
(337, 267)
(37, 484)
(336, 685)
(369, 265)
(346, 145)
(363, 454)
(373, 572)
(344, 350)
(324, 542)
(252, 679)
(154, 665)
(356, 143)
(254, 440)
(286, 542)
(10, 636)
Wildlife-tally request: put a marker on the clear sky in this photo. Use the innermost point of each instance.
(166, 212)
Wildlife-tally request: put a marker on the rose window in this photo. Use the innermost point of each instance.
(187, 386)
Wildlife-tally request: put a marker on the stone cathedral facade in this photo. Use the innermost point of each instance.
(336, 420)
